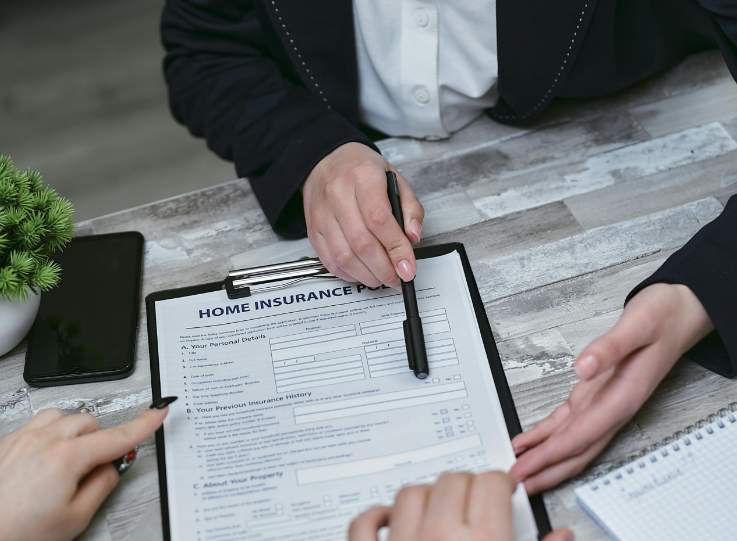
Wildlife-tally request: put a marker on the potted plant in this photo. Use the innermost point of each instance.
(34, 223)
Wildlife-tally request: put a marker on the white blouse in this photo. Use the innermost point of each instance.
(426, 68)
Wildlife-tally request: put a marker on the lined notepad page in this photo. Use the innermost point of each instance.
(686, 490)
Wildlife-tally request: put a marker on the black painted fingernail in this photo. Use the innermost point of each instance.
(124, 463)
(161, 403)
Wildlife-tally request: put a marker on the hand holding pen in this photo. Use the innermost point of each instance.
(349, 223)
(56, 471)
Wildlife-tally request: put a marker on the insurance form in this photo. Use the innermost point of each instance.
(298, 411)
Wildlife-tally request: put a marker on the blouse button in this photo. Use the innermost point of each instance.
(421, 17)
(422, 95)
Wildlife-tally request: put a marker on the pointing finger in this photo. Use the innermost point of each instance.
(107, 445)
(76, 425)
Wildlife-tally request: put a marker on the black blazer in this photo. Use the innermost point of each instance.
(273, 86)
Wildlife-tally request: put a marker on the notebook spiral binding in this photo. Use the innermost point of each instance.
(730, 413)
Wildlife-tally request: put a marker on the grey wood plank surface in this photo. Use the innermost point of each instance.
(511, 233)
(604, 168)
(661, 191)
(580, 298)
(593, 250)
(560, 219)
(708, 104)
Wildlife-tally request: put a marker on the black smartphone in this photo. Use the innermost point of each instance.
(86, 327)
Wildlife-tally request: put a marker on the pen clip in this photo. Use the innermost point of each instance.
(408, 345)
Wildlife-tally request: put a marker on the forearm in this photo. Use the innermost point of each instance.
(224, 86)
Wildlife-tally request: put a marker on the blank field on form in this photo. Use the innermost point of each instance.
(386, 462)
(390, 358)
(433, 322)
(311, 338)
(381, 402)
(296, 365)
(307, 372)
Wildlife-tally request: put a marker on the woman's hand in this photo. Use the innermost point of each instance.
(56, 471)
(460, 506)
(618, 372)
(350, 222)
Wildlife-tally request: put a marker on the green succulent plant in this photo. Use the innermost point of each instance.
(34, 223)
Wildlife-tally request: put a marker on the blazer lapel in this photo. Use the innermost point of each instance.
(538, 41)
(318, 39)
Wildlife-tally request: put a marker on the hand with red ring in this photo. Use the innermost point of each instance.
(56, 471)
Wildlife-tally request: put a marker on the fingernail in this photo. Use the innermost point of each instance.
(161, 403)
(568, 536)
(405, 271)
(416, 227)
(124, 463)
(586, 367)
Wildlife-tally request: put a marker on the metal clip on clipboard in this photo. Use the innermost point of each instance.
(239, 283)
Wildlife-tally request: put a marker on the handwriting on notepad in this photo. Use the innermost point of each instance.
(658, 480)
(655, 482)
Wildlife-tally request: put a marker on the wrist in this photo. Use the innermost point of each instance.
(695, 323)
(346, 151)
(310, 180)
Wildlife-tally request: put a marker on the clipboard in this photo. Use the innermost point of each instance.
(312, 269)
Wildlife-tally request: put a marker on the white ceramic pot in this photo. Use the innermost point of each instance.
(16, 318)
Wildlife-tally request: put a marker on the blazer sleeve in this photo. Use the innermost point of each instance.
(724, 15)
(707, 265)
(225, 86)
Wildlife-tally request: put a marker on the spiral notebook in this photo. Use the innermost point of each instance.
(683, 489)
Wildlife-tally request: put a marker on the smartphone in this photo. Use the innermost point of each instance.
(86, 327)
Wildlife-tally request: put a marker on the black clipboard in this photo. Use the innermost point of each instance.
(495, 365)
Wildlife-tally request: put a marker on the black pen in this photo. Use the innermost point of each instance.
(414, 338)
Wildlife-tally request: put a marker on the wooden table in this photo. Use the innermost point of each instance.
(560, 219)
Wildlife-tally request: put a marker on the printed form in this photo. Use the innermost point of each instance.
(298, 411)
